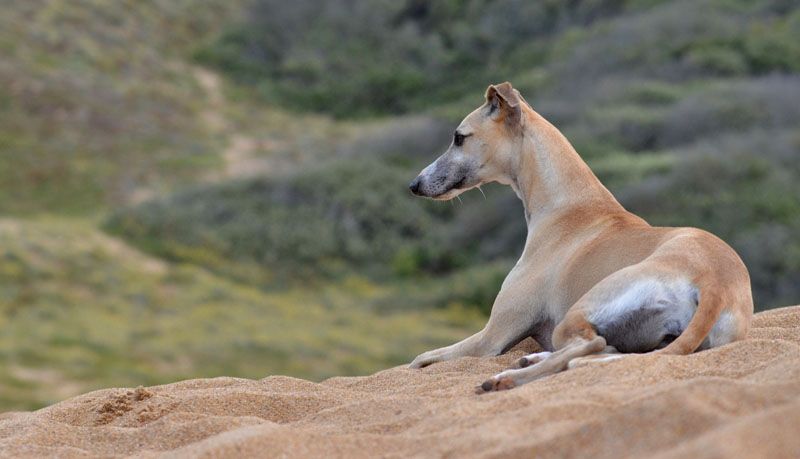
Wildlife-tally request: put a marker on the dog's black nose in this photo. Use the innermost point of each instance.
(414, 186)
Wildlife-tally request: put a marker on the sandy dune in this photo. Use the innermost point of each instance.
(741, 400)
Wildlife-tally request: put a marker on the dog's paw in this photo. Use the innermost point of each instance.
(532, 359)
(495, 384)
(424, 359)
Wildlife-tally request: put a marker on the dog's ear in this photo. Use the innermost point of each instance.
(503, 101)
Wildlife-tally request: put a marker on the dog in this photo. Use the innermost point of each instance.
(594, 281)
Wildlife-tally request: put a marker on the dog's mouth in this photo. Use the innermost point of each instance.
(452, 191)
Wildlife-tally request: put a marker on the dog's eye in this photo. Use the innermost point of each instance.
(458, 139)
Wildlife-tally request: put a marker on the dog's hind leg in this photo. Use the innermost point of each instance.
(532, 359)
(636, 309)
(609, 354)
(574, 336)
(553, 363)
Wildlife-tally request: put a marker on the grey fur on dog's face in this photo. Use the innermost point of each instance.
(451, 174)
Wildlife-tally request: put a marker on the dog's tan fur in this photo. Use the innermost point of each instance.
(586, 259)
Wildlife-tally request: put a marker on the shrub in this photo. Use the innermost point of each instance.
(354, 211)
(391, 57)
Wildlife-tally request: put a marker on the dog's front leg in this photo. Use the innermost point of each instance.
(472, 346)
(511, 320)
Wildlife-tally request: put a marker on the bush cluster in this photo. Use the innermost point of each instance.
(355, 212)
(358, 58)
(687, 109)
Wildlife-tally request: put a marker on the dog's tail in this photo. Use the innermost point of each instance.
(705, 316)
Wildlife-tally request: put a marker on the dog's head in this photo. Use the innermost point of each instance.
(482, 149)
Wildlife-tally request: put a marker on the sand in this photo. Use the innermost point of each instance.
(740, 400)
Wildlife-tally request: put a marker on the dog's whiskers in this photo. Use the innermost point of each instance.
(459, 200)
(484, 194)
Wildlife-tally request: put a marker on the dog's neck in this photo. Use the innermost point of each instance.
(549, 175)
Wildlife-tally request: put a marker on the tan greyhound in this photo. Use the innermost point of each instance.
(594, 280)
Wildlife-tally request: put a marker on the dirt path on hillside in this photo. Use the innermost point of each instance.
(239, 155)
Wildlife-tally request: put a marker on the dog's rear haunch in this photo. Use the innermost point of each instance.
(594, 282)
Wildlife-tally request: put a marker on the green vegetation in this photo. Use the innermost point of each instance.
(194, 189)
(347, 212)
(386, 57)
(97, 104)
(82, 311)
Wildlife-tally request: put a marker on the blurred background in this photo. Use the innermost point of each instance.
(195, 188)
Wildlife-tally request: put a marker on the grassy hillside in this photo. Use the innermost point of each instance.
(96, 103)
(82, 311)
